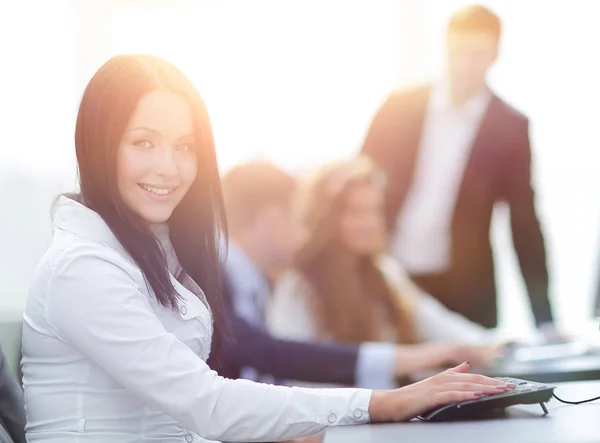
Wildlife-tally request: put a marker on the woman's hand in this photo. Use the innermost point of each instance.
(411, 359)
(453, 385)
(477, 355)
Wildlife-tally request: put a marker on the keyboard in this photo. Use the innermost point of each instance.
(488, 406)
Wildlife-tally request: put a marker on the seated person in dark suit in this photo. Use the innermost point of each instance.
(259, 200)
(12, 409)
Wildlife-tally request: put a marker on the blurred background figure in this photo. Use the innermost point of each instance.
(451, 151)
(262, 228)
(345, 288)
(263, 224)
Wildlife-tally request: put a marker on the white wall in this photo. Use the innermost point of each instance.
(37, 109)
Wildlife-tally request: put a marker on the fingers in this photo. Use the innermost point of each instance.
(478, 387)
(463, 367)
(467, 391)
(442, 398)
(476, 378)
(460, 374)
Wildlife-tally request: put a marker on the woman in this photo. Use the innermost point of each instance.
(120, 317)
(345, 288)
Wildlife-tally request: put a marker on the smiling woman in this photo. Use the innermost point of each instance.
(156, 160)
(138, 123)
(124, 307)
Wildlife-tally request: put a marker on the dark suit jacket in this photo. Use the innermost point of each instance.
(12, 409)
(254, 347)
(498, 169)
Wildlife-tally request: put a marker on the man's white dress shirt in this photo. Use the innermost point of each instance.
(422, 239)
(104, 362)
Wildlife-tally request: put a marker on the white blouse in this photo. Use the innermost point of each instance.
(290, 315)
(104, 362)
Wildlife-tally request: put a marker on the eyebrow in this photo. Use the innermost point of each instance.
(144, 128)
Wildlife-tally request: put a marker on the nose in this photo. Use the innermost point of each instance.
(165, 162)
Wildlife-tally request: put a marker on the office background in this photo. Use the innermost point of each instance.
(297, 82)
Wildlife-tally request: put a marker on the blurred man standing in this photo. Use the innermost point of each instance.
(451, 151)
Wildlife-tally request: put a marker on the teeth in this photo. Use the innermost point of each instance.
(157, 191)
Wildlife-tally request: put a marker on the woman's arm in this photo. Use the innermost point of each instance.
(378, 364)
(434, 322)
(95, 306)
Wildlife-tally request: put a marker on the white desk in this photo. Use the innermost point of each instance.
(525, 424)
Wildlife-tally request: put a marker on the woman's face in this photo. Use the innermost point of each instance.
(362, 223)
(156, 159)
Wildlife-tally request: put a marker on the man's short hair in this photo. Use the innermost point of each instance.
(250, 187)
(475, 18)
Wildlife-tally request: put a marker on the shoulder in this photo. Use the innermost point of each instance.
(397, 278)
(292, 284)
(77, 260)
(403, 96)
(391, 268)
(80, 251)
(508, 112)
(77, 278)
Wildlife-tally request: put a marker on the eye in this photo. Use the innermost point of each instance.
(183, 147)
(143, 144)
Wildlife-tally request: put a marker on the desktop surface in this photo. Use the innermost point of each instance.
(522, 424)
(575, 368)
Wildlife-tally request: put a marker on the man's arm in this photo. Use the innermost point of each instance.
(12, 409)
(254, 347)
(526, 230)
(368, 365)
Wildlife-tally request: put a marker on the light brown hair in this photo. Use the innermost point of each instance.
(345, 289)
(248, 188)
(475, 18)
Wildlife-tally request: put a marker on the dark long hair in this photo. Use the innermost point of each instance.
(198, 222)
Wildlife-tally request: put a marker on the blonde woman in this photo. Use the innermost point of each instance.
(346, 288)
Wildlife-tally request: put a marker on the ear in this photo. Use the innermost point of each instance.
(267, 216)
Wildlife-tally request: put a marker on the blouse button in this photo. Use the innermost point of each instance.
(357, 414)
(332, 418)
(183, 310)
(189, 438)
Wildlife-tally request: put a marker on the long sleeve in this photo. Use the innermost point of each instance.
(526, 231)
(434, 322)
(256, 348)
(95, 305)
(12, 411)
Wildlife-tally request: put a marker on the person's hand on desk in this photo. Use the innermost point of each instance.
(452, 385)
(416, 358)
(548, 334)
(478, 355)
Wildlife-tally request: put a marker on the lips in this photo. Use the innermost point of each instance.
(160, 191)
